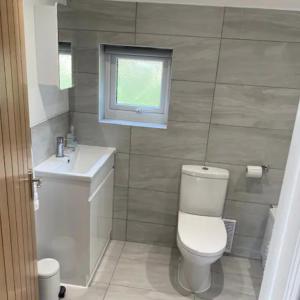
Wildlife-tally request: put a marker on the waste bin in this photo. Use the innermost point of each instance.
(49, 279)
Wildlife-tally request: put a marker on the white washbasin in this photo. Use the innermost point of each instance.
(83, 163)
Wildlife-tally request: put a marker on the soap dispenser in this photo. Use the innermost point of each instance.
(71, 140)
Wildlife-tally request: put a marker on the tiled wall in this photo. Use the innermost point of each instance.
(44, 135)
(235, 91)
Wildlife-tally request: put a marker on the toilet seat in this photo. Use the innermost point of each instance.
(201, 235)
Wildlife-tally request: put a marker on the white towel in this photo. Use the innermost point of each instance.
(36, 201)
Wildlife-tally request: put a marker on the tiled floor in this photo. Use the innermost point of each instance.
(133, 271)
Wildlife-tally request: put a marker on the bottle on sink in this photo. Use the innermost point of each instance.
(71, 141)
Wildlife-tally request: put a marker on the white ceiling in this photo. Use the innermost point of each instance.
(269, 4)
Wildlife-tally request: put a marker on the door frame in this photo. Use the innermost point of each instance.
(282, 272)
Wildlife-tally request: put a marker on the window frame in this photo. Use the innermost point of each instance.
(141, 115)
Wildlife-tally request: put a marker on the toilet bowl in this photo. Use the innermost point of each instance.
(201, 232)
(201, 241)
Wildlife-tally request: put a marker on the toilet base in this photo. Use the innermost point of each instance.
(194, 278)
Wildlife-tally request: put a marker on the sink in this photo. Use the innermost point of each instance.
(74, 219)
(83, 163)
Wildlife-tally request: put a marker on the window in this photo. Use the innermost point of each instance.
(136, 86)
(65, 65)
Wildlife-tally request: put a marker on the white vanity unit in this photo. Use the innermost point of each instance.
(74, 219)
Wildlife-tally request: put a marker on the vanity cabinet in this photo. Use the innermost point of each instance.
(74, 219)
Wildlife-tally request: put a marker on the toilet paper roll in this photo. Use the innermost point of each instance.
(254, 172)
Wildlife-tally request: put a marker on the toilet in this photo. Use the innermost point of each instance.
(201, 233)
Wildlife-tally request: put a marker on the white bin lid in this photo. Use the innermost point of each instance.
(47, 267)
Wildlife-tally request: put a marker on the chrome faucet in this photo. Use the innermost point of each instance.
(60, 146)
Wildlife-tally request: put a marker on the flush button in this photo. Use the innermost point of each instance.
(205, 168)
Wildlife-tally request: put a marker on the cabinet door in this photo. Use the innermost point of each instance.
(101, 210)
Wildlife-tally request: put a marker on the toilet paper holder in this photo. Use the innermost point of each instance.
(265, 168)
(257, 171)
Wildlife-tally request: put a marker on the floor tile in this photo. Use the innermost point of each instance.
(109, 262)
(143, 274)
(135, 271)
(115, 248)
(239, 266)
(126, 293)
(226, 295)
(95, 292)
(147, 267)
(146, 252)
(231, 286)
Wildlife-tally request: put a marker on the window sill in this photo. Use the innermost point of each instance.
(135, 124)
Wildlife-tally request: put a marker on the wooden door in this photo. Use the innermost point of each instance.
(18, 274)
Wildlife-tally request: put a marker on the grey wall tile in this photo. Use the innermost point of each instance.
(44, 135)
(151, 233)
(195, 42)
(98, 15)
(90, 132)
(262, 24)
(194, 59)
(265, 190)
(251, 217)
(84, 96)
(259, 107)
(259, 63)
(86, 60)
(120, 202)
(156, 173)
(191, 101)
(153, 207)
(180, 140)
(122, 169)
(185, 19)
(246, 246)
(244, 146)
(118, 230)
(85, 39)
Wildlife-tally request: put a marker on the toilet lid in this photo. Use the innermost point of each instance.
(201, 235)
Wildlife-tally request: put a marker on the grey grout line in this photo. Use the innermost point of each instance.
(128, 183)
(214, 92)
(259, 86)
(135, 21)
(177, 194)
(187, 122)
(152, 223)
(147, 189)
(211, 162)
(50, 119)
(248, 202)
(216, 82)
(109, 283)
(182, 36)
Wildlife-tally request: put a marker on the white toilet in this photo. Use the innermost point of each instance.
(201, 235)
